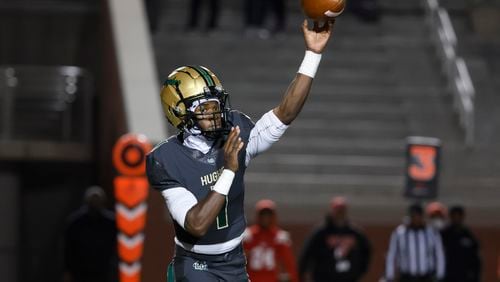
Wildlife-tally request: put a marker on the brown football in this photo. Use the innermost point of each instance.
(323, 9)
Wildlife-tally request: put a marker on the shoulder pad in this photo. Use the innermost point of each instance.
(161, 143)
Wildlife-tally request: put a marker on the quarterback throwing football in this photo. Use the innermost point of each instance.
(200, 171)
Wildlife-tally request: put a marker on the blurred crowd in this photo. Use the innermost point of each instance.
(261, 18)
(431, 244)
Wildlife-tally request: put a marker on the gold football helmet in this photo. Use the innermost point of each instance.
(188, 86)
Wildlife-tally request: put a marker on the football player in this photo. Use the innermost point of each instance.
(200, 171)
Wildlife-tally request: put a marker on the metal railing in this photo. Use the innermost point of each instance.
(45, 103)
(453, 66)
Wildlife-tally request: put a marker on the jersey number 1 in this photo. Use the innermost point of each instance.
(222, 220)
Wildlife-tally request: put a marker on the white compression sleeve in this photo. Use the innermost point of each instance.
(310, 64)
(267, 130)
(179, 201)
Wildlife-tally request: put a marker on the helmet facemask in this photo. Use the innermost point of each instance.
(213, 115)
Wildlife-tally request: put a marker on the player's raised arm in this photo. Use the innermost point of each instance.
(316, 40)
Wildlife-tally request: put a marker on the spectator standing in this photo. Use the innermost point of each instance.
(256, 13)
(437, 215)
(415, 251)
(268, 247)
(337, 251)
(278, 8)
(195, 8)
(90, 241)
(463, 263)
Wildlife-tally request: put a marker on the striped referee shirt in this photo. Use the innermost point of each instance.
(415, 252)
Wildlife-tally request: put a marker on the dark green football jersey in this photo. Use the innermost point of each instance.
(171, 165)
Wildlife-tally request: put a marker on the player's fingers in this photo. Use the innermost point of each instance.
(240, 146)
(237, 144)
(234, 138)
(325, 28)
(230, 139)
(304, 25)
(316, 26)
(331, 23)
(237, 138)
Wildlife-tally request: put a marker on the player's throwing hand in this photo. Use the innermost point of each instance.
(317, 37)
(232, 147)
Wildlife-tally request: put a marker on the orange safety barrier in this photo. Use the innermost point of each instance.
(130, 272)
(130, 251)
(131, 190)
(131, 193)
(130, 222)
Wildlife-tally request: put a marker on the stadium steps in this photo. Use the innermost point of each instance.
(477, 169)
(377, 84)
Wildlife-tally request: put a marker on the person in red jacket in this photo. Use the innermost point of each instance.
(267, 247)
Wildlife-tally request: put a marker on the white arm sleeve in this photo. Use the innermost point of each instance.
(267, 130)
(179, 201)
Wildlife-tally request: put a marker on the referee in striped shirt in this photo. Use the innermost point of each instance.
(415, 251)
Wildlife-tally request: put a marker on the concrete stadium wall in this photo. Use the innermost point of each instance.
(136, 68)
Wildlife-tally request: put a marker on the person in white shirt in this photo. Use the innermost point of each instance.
(415, 251)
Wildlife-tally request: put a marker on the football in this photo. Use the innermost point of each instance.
(323, 9)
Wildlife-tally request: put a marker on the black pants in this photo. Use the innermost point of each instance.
(213, 13)
(256, 12)
(188, 266)
(411, 278)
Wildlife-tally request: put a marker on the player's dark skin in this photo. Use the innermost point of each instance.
(202, 215)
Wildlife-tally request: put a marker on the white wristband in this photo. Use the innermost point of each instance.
(310, 64)
(224, 182)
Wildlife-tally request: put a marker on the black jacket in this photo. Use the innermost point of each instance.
(90, 246)
(463, 263)
(336, 253)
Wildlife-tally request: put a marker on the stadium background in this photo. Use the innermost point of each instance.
(378, 83)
